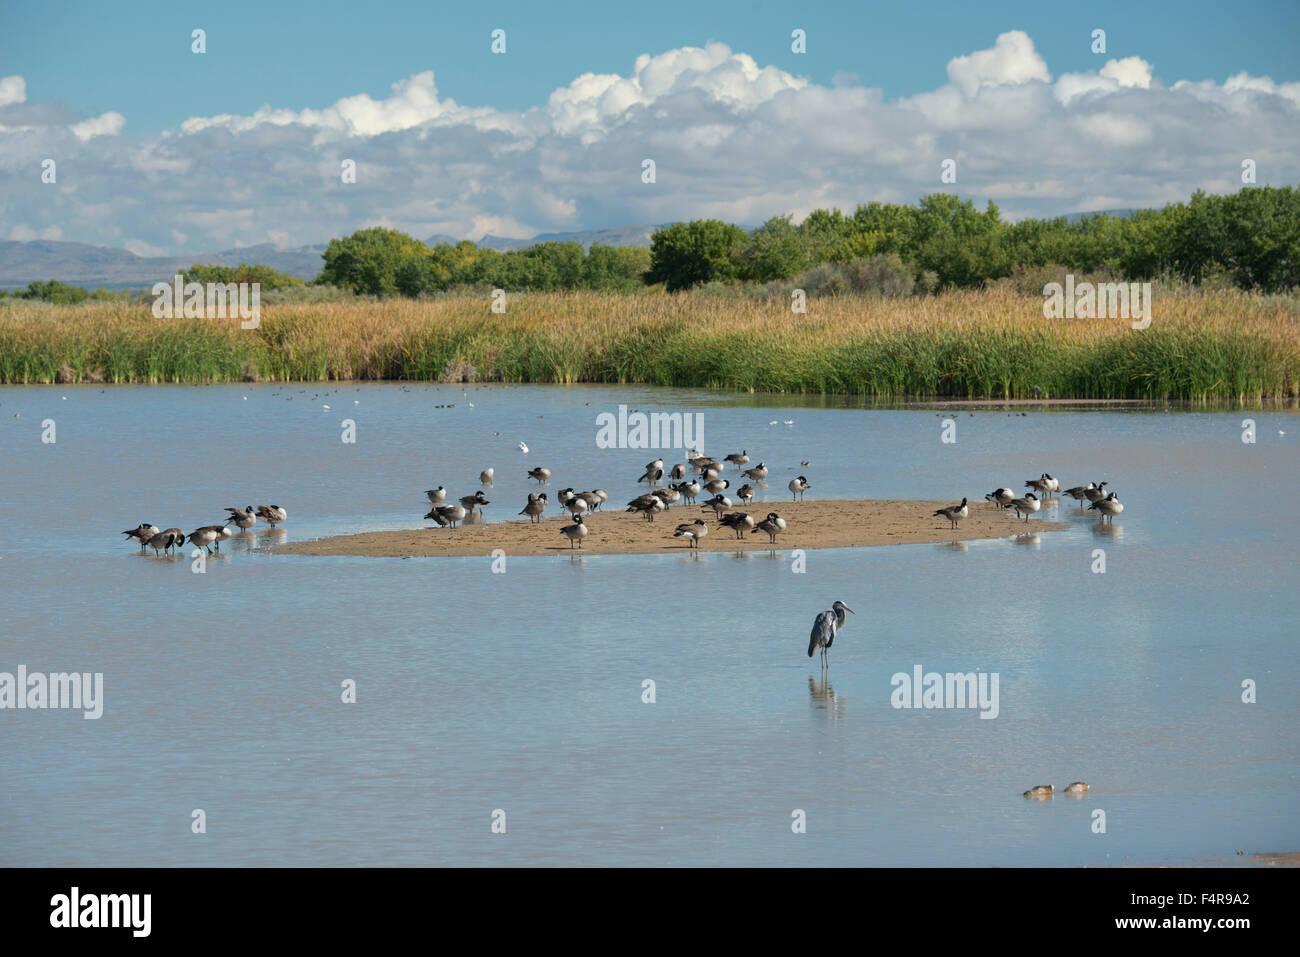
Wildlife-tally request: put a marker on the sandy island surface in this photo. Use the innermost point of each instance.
(815, 524)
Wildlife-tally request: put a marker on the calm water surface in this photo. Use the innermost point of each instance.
(523, 691)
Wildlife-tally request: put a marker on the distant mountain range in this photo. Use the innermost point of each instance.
(638, 235)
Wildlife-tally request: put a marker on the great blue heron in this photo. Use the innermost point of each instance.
(1109, 507)
(825, 627)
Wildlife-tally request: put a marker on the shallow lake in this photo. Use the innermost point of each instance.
(522, 691)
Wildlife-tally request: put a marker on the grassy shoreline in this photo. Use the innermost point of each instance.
(993, 344)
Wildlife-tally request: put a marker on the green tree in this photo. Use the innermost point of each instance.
(367, 261)
(686, 254)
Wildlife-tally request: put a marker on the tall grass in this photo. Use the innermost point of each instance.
(990, 344)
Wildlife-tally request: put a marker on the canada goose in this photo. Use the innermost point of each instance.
(757, 473)
(591, 498)
(223, 534)
(738, 458)
(1080, 493)
(717, 485)
(647, 504)
(204, 537)
(601, 494)
(678, 473)
(447, 514)
(436, 495)
(1109, 507)
(740, 522)
(954, 513)
(142, 533)
(1040, 484)
(652, 475)
(1029, 505)
(1078, 787)
(656, 466)
(272, 514)
(477, 500)
(825, 627)
(165, 540)
(563, 495)
(485, 477)
(773, 525)
(692, 532)
(1098, 493)
(576, 505)
(745, 493)
(667, 495)
(1001, 497)
(1042, 791)
(797, 487)
(575, 532)
(1053, 485)
(244, 518)
(540, 474)
(536, 506)
(690, 490)
(709, 472)
(719, 503)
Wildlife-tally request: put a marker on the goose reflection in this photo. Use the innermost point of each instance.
(823, 696)
(1107, 530)
(1028, 538)
(954, 546)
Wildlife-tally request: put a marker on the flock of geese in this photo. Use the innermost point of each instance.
(205, 536)
(1106, 504)
(686, 484)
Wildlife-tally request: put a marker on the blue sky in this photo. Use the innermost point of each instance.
(160, 149)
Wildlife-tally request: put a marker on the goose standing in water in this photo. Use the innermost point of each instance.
(166, 540)
(436, 495)
(204, 537)
(1109, 507)
(1095, 495)
(1078, 787)
(692, 532)
(575, 532)
(757, 473)
(739, 522)
(653, 472)
(797, 487)
(678, 473)
(1080, 493)
(1029, 505)
(142, 533)
(954, 513)
(272, 514)
(825, 627)
(774, 524)
(536, 506)
(719, 503)
(485, 477)
(446, 515)
(738, 458)
(244, 518)
(540, 474)
(1040, 485)
(223, 534)
(1001, 497)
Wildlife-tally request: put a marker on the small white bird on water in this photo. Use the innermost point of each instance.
(523, 448)
(825, 627)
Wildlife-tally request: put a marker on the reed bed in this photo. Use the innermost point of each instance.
(992, 344)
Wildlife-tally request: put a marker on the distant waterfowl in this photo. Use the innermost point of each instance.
(717, 485)
(692, 532)
(739, 458)
(575, 532)
(1109, 507)
(774, 524)
(1001, 497)
(1078, 787)
(536, 506)
(1080, 492)
(678, 473)
(954, 513)
(739, 522)
(1098, 493)
(447, 515)
(244, 518)
(652, 475)
(757, 473)
(797, 487)
(825, 627)
(142, 533)
(540, 474)
(485, 477)
(436, 495)
(1028, 505)
(477, 500)
(745, 493)
(1042, 791)
(272, 514)
(523, 448)
(204, 537)
(719, 503)
(647, 505)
